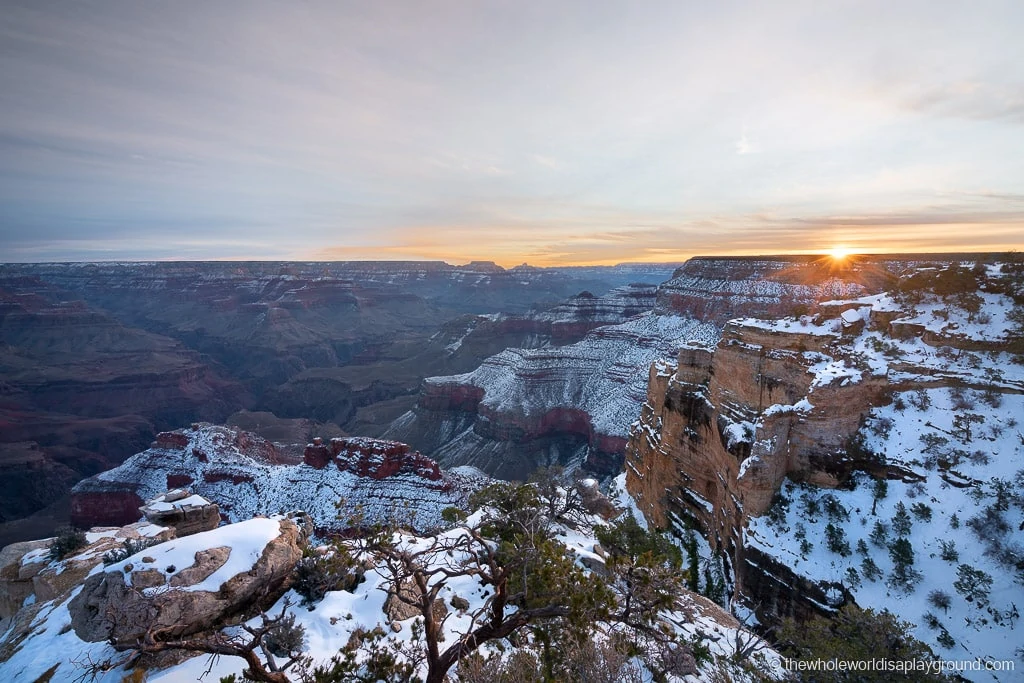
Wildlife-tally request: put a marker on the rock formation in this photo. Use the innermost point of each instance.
(182, 511)
(526, 407)
(573, 404)
(721, 430)
(187, 585)
(246, 475)
(775, 399)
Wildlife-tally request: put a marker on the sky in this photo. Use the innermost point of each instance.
(552, 133)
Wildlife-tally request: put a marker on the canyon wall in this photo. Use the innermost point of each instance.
(573, 405)
(722, 428)
(785, 398)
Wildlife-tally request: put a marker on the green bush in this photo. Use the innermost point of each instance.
(68, 540)
(318, 573)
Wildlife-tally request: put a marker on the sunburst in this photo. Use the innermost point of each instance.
(839, 253)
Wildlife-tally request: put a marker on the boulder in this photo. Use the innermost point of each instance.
(111, 608)
(16, 576)
(207, 562)
(186, 513)
(397, 610)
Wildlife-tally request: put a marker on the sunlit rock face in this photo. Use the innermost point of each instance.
(721, 429)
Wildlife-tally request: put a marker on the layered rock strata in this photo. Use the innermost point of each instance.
(246, 475)
(722, 429)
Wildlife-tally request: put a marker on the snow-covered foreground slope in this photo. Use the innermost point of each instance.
(965, 508)
(53, 648)
(951, 436)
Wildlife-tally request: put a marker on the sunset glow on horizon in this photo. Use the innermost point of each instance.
(566, 134)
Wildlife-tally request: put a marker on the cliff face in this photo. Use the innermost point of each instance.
(526, 407)
(80, 392)
(247, 475)
(776, 400)
(97, 358)
(724, 288)
(722, 429)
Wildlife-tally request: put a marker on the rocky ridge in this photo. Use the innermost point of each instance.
(247, 475)
(215, 581)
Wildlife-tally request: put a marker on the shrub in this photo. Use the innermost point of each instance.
(921, 400)
(901, 520)
(835, 510)
(879, 534)
(949, 552)
(67, 541)
(811, 506)
(286, 638)
(902, 555)
(973, 584)
(922, 511)
(945, 640)
(778, 510)
(128, 548)
(318, 573)
(835, 538)
(870, 570)
(940, 600)
(855, 634)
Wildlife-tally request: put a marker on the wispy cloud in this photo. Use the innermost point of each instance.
(567, 132)
(744, 145)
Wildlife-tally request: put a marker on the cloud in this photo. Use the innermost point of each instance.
(743, 145)
(979, 101)
(506, 131)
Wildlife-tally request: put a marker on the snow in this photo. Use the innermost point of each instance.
(245, 487)
(604, 375)
(245, 539)
(898, 436)
(802, 325)
(329, 626)
(160, 505)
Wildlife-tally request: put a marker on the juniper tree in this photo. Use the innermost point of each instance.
(853, 635)
(870, 570)
(901, 520)
(902, 555)
(835, 538)
(879, 534)
(973, 584)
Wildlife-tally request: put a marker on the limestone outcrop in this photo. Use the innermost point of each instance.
(721, 429)
(230, 570)
(182, 511)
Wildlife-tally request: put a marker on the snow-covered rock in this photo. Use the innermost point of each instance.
(246, 476)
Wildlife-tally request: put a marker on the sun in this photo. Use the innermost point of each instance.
(839, 253)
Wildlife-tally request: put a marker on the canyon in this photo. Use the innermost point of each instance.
(574, 404)
(96, 359)
(771, 413)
